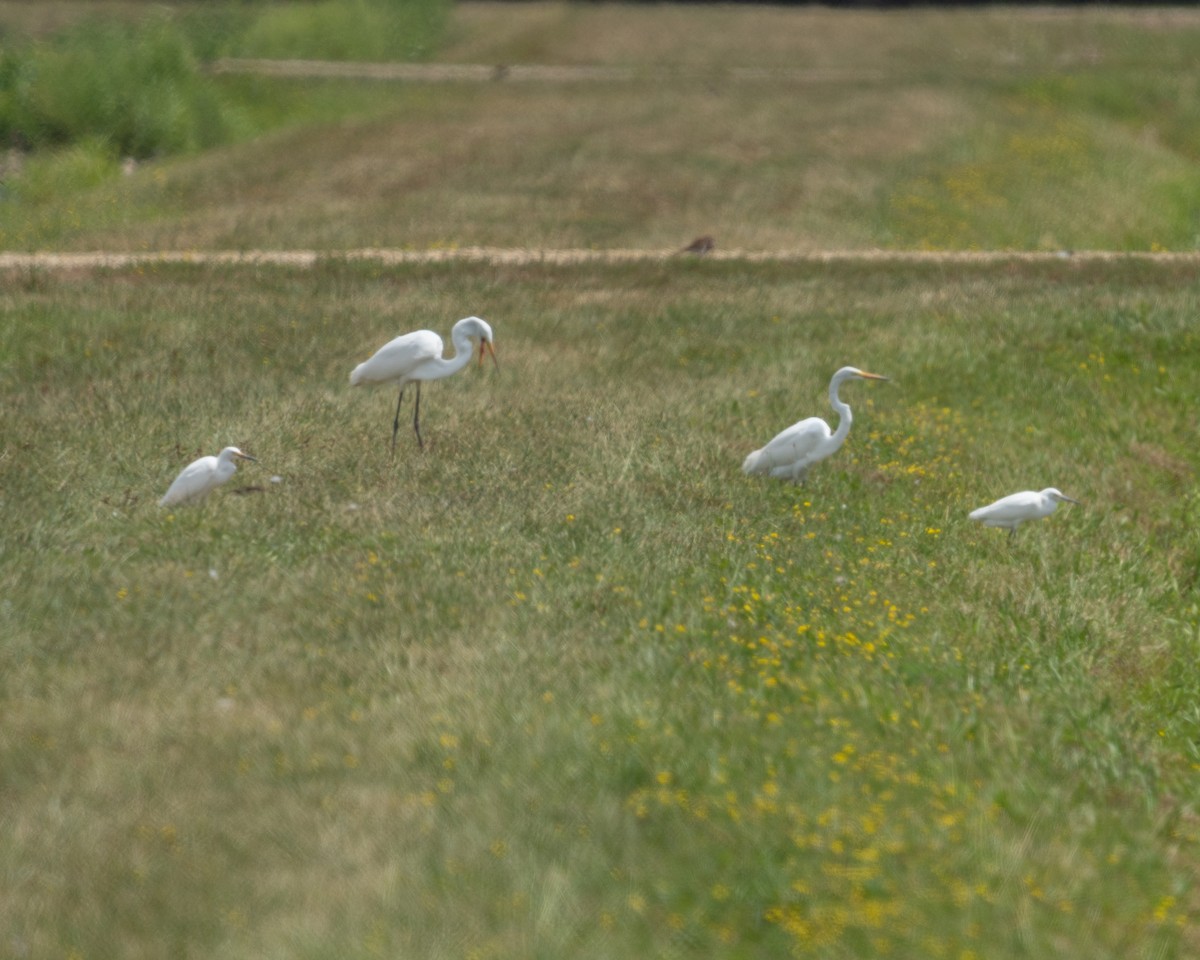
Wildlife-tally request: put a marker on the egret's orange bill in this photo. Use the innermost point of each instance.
(485, 347)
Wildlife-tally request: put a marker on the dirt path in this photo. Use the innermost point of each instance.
(521, 256)
(532, 72)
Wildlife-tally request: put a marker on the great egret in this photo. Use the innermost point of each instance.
(790, 454)
(1016, 508)
(201, 477)
(417, 356)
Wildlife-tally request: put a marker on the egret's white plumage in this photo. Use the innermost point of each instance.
(1011, 511)
(201, 477)
(792, 451)
(417, 356)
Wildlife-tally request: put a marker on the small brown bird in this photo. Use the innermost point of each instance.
(701, 245)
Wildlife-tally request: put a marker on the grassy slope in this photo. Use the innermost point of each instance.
(568, 683)
(943, 129)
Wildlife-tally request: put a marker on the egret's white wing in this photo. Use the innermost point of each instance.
(194, 480)
(398, 359)
(789, 447)
(1016, 506)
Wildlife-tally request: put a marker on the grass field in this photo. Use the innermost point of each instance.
(568, 684)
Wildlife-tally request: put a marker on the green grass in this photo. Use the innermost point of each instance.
(568, 683)
(344, 30)
(320, 29)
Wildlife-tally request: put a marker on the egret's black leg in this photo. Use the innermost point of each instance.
(417, 418)
(396, 422)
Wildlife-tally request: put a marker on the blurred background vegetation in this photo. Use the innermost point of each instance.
(128, 80)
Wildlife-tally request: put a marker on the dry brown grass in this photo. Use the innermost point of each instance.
(549, 166)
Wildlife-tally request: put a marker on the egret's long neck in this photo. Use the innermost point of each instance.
(462, 354)
(225, 465)
(845, 417)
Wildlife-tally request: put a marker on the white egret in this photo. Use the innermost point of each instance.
(201, 477)
(1016, 508)
(792, 451)
(417, 356)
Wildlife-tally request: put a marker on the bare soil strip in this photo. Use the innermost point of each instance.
(525, 256)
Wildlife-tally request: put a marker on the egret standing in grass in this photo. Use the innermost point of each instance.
(201, 477)
(417, 356)
(789, 455)
(1016, 508)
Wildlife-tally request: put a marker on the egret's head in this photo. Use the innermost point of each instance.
(847, 373)
(233, 453)
(478, 327)
(1058, 495)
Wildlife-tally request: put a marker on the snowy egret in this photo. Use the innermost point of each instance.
(794, 450)
(417, 356)
(201, 477)
(1016, 508)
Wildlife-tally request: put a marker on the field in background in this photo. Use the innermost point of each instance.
(568, 684)
(769, 128)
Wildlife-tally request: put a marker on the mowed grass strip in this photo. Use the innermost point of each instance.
(568, 683)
